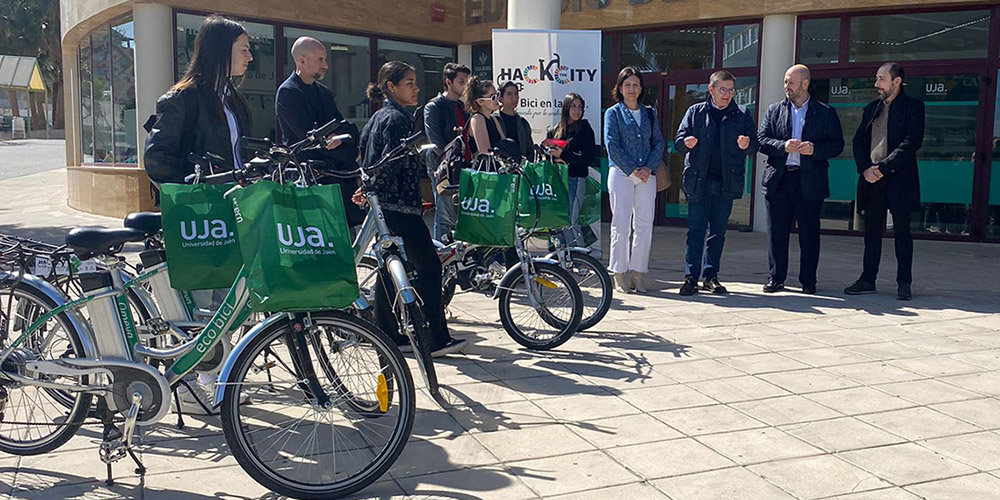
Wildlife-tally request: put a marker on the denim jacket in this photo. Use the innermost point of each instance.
(629, 144)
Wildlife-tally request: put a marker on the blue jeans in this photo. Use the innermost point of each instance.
(444, 211)
(710, 213)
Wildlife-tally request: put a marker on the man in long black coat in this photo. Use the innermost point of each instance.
(885, 151)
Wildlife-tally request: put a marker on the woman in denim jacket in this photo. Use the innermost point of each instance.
(635, 149)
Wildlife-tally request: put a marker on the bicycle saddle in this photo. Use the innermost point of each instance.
(149, 223)
(88, 242)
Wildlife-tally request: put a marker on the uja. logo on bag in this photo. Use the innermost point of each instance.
(206, 233)
(543, 192)
(300, 240)
(477, 206)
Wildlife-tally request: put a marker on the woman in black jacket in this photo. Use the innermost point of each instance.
(398, 187)
(578, 154)
(203, 112)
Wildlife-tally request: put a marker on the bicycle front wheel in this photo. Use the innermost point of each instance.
(595, 286)
(288, 442)
(545, 313)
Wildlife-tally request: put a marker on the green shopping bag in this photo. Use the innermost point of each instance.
(199, 232)
(487, 209)
(296, 247)
(545, 192)
(590, 209)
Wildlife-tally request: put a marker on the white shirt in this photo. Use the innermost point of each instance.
(637, 114)
(234, 135)
(798, 123)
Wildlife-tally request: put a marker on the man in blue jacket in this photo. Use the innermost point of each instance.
(717, 136)
(799, 135)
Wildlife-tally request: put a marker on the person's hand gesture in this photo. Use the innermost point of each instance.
(690, 142)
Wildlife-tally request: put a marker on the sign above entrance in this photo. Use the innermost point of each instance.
(493, 11)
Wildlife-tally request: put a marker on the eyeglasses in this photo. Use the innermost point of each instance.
(723, 90)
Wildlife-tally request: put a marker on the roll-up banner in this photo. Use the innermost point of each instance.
(548, 65)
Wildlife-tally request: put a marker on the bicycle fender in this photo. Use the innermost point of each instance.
(509, 275)
(227, 366)
(56, 296)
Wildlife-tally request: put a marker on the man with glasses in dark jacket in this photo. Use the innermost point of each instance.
(717, 136)
(799, 135)
(885, 151)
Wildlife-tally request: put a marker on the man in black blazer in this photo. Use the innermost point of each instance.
(885, 151)
(799, 135)
(304, 103)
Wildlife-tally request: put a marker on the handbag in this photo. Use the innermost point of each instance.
(663, 182)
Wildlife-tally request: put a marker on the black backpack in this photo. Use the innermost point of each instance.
(454, 157)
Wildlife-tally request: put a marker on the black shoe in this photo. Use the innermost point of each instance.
(860, 287)
(713, 285)
(903, 292)
(773, 286)
(690, 286)
(809, 289)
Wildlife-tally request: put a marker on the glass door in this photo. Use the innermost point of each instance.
(677, 97)
(993, 174)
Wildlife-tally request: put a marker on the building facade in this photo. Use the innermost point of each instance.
(120, 55)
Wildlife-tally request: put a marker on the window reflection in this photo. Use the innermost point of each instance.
(936, 35)
(692, 48)
(819, 41)
(86, 102)
(103, 112)
(349, 58)
(123, 64)
(428, 60)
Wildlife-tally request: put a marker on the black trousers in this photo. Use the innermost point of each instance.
(784, 206)
(422, 254)
(876, 205)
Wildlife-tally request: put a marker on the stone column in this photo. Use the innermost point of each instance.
(154, 61)
(777, 45)
(534, 14)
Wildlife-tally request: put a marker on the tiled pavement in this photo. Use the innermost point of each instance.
(748, 396)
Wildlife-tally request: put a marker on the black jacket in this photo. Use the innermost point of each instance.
(736, 121)
(905, 134)
(298, 112)
(822, 128)
(523, 138)
(397, 183)
(439, 125)
(187, 121)
(580, 148)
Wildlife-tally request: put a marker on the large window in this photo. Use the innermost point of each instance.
(349, 58)
(123, 89)
(428, 60)
(993, 216)
(740, 45)
(937, 35)
(258, 86)
(107, 95)
(692, 48)
(819, 41)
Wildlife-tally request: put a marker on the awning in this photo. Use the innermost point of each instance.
(20, 73)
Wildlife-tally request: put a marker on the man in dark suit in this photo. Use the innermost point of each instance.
(304, 103)
(885, 151)
(799, 136)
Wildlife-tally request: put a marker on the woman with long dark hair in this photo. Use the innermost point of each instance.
(482, 100)
(203, 112)
(578, 153)
(398, 187)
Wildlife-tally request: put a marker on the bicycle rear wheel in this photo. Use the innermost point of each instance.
(557, 314)
(33, 419)
(289, 443)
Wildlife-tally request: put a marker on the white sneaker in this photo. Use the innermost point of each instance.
(190, 400)
(453, 346)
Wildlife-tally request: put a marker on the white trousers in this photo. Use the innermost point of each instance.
(632, 208)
